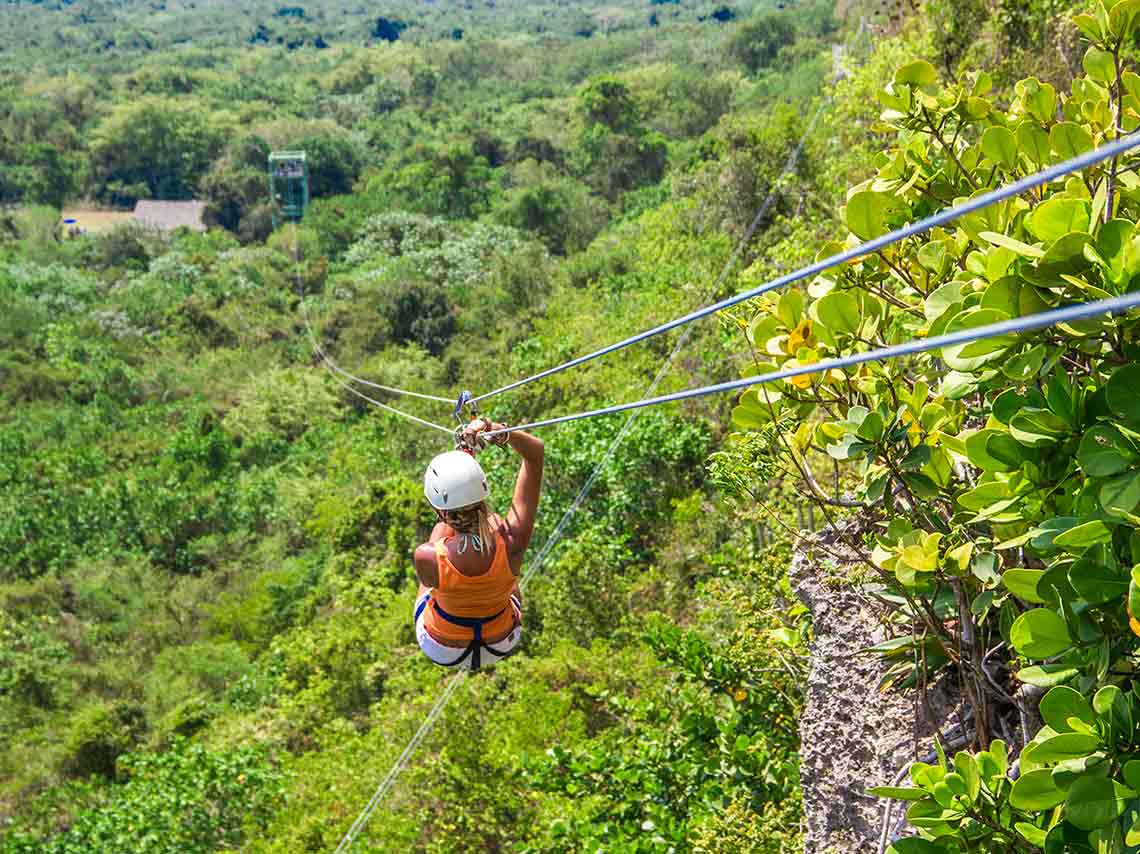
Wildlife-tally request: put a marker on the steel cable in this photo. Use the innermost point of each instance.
(1083, 161)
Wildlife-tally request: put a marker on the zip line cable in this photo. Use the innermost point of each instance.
(1017, 325)
(1082, 161)
(333, 368)
(556, 535)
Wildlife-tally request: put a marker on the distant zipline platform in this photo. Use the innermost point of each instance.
(289, 184)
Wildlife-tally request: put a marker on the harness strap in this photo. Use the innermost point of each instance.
(475, 648)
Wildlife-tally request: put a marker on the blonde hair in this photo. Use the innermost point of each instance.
(474, 523)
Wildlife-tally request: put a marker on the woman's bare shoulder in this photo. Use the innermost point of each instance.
(424, 561)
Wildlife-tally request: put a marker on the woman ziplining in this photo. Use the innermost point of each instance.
(468, 609)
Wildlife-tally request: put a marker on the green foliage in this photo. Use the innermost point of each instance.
(276, 408)
(757, 43)
(643, 784)
(188, 800)
(154, 147)
(420, 313)
(100, 734)
(200, 539)
(33, 662)
(996, 480)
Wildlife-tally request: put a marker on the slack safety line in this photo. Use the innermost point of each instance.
(466, 400)
(391, 389)
(1041, 320)
(1082, 161)
(332, 367)
(388, 388)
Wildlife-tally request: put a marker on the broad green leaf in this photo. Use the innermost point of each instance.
(975, 354)
(1113, 706)
(1079, 538)
(978, 454)
(1022, 583)
(1036, 427)
(1067, 745)
(1112, 241)
(1042, 103)
(898, 793)
(1034, 142)
(1046, 675)
(1068, 139)
(790, 308)
(1104, 451)
(1059, 216)
(931, 814)
(916, 458)
(1040, 633)
(1006, 242)
(1061, 703)
(1097, 583)
(1025, 365)
(1095, 801)
(941, 299)
(1122, 19)
(915, 845)
(1003, 293)
(919, 73)
(1030, 833)
(985, 494)
(1120, 494)
(1098, 64)
(1131, 773)
(839, 312)
(1035, 791)
(869, 213)
(984, 567)
(1123, 394)
(967, 768)
(1005, 449)
(1088, 25)
(762, 327)
(999, 145)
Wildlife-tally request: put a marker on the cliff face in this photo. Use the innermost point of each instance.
(853, 736)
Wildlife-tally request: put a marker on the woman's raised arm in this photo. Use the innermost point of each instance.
(528, 486)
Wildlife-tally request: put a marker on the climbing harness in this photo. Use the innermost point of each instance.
(475, 624)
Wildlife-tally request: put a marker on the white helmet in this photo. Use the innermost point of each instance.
(455, 480)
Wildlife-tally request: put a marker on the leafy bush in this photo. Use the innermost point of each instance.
(31, 662)
(420, 313)
(277, 407)
(757, 42)
(100, 734)
(203, 668)
(998, 482)
(185, 801)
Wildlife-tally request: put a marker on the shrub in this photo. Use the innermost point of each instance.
(185, 801)
(420, 313)
(100, 734)
(277, 406)
(998, 481)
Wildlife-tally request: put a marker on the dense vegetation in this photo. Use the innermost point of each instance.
(205, 638)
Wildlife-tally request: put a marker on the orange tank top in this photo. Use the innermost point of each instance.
(471, 596)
